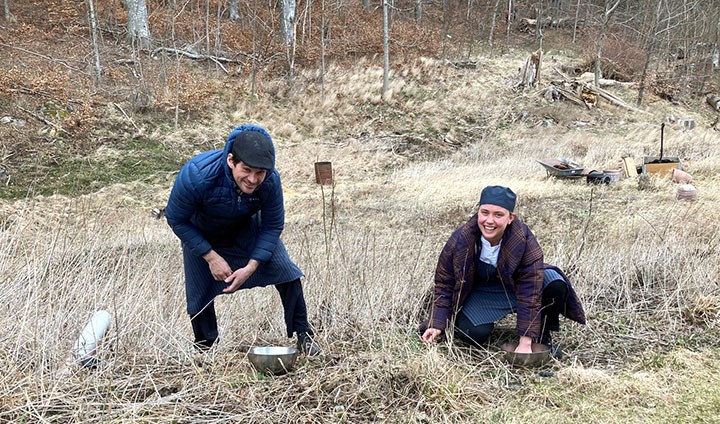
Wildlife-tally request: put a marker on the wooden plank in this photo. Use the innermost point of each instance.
(629, 167)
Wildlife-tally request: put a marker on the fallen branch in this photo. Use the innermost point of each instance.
(41, 119)
(614, 100)
(195, 56)
(126, 116)
(62, 62)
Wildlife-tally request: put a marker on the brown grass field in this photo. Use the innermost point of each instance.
(408, 170)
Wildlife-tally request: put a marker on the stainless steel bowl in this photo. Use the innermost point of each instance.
(539, 356)
(273, 359)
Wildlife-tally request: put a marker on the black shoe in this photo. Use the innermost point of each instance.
(555, 350)
(306, 345)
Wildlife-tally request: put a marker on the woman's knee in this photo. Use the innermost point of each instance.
(477, 334)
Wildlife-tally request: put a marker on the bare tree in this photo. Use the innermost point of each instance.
(287, 20)
(287, 27)
(138, 31)
(366, 4)
(234, 15)
(577, 13)
(386, 48)
(610, 6)
(492, 24)
(663, 20)
(6, 9)
(510, 17)
(418, 10)
(96, 51)
(322, 49)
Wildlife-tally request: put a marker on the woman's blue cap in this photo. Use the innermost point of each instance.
(499, 196)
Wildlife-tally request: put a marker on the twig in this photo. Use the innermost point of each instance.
(126, 116)
(62, 62)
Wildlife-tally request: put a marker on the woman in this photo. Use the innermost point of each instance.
(491, 266)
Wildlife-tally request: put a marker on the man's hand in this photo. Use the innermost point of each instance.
(238, 278)
(430, 335)
(219, 268)
(525, 345)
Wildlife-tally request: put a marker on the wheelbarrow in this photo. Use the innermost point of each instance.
(562, 168)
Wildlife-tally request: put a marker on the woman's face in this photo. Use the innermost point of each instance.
(493, 220)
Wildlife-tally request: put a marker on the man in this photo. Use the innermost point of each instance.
(226, 206)
(492, 266)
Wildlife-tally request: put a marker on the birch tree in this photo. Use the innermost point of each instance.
(492, 24)
(138, 31)
(610, 6)
(287, 20)
(234, 15)
(96, 51)
(287, 27)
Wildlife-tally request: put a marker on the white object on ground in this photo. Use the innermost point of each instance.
(86, 345)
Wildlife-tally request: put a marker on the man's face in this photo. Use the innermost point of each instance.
(246, 177)
(493, 220)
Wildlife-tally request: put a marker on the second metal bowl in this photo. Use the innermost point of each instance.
(539, 356)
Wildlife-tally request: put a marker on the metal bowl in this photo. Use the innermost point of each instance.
(539, 356)
(273, 359)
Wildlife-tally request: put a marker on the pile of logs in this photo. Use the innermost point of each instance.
(585, 94)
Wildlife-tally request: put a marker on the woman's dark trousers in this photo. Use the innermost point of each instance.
(553, 304)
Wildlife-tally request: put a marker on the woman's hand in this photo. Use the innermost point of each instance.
(525, 345)
(238, 278)
(430, 335)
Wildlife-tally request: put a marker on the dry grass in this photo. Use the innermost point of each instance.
(407, 172)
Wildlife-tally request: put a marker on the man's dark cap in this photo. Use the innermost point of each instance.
(499, 196)
(255, 149)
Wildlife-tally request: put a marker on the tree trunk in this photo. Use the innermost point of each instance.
(539, 21)
(287, 20)
(492, 24)
(234, 15)
(96, 51)
(322, 49)
(577, 13)
(366, 4)
(138, 31)
(386, 49)
(418, 10)
(253, 73)
(509, 19)
(651, 43)
(601, 36)
(6, 9)
(287, 27)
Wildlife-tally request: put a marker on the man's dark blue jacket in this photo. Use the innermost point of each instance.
(206, 209)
